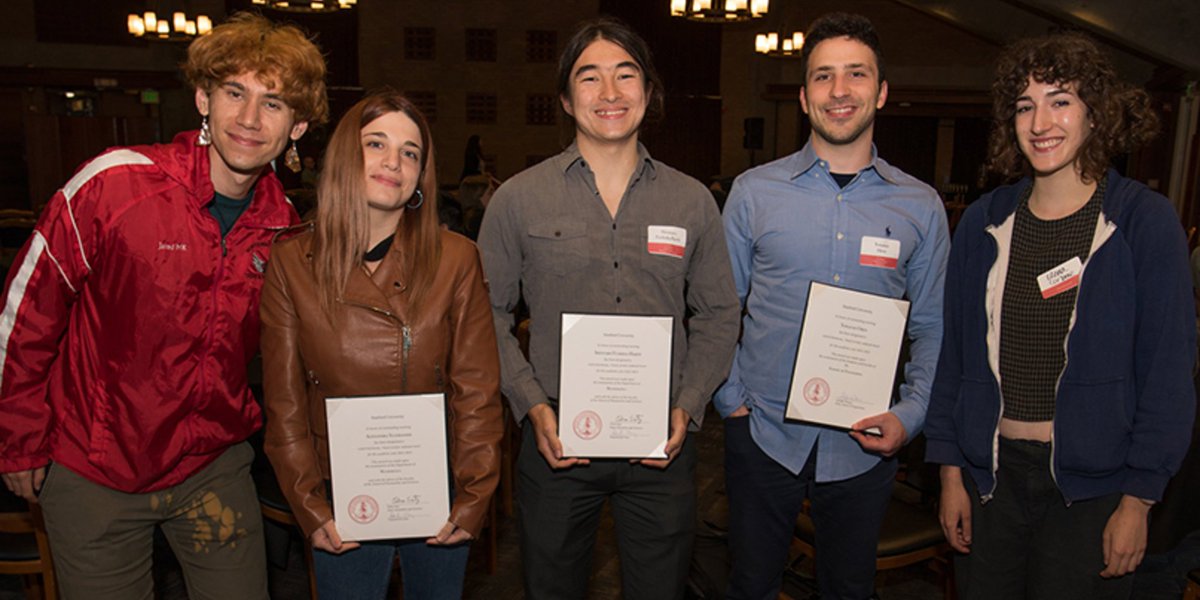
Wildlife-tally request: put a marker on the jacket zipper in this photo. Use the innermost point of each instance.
(985, 498)
(210, 330)
(405, 340)
(405, 347)
(1107, 233)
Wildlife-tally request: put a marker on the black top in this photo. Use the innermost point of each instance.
(1033, 329)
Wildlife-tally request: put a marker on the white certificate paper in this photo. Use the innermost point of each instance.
(846, 362)
(387, 457)
(614, 397)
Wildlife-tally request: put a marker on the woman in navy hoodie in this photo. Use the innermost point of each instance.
(1063, 401)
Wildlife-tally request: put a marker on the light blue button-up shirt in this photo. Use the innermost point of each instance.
(788, 223)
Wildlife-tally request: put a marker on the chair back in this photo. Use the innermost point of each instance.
(24, 547)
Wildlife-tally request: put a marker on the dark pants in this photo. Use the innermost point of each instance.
(1027, 543)
(654, 513)
(764, 501)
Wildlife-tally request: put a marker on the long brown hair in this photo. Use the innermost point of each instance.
(342, 227)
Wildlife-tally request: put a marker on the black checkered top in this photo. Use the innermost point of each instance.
(1033, 330)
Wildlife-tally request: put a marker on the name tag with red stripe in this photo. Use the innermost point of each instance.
(665, 240)
(879, 252)
(1061, 278)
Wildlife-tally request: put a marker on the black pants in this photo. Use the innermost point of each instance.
(764, 501)
(654, 513)
(1027, 543)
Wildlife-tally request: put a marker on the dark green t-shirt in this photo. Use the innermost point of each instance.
(226, 210)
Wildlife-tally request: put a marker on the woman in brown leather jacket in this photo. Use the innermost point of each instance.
(376, 299)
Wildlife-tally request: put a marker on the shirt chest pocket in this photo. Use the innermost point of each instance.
(557, 247)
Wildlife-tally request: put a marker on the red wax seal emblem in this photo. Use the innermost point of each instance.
(587, 425)
(816, 391)
(364, 509)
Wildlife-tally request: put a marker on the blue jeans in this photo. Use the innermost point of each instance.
(428, 572)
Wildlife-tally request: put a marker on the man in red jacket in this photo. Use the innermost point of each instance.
(128, 320)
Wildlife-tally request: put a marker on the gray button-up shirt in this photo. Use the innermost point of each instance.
(548, 235)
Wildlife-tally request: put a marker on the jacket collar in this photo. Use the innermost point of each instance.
(1005, 199)
(384, 289)
(188, 165)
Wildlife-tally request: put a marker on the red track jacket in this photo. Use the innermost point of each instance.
(127, 323)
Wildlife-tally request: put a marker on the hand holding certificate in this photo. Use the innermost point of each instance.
(846, 360)
(387, 457)
(615, 374)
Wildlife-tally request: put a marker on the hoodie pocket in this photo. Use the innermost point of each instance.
(976, 416)
(1093, 427)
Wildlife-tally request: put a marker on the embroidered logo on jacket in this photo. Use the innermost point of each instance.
(172, 247)
(260, 265)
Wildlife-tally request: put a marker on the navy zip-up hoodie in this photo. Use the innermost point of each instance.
(1125, 399)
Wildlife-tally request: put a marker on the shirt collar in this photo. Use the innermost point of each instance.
(571, 157)
(806, 160)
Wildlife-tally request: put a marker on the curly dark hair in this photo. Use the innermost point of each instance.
(1120, 114)
(840, 24)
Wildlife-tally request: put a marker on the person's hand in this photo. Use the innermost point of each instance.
(741, 411)
(891, 437)
(1125, 537)
(545, 427)
(954, 511)
(326, 538)
(450, 535)
(25, 484)
(678, 432)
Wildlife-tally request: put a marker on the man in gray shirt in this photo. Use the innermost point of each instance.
(604, 228)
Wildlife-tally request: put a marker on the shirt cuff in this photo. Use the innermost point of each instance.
(692, 402)
(528, 394)
(912, 417)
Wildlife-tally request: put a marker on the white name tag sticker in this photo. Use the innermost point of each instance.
(666, 240)
(879, 252)
(1061, 278)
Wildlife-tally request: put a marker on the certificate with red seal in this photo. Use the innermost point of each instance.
(846, 361)
(614, 397)
(388, 461)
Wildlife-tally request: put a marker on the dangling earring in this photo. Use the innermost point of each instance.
(420, 200)
(205, 133)
(291, 158)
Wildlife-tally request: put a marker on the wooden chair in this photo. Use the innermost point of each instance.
(1192, 592)
(911, 534)
(24, 549)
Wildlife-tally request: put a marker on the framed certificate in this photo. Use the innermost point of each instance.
(846, 361)
(614, 398)
(388, 461)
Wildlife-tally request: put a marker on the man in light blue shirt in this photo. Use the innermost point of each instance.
(834, 213)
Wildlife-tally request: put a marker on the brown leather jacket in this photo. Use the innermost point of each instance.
(451, 349)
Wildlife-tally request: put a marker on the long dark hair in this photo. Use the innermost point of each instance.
(617, 32)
